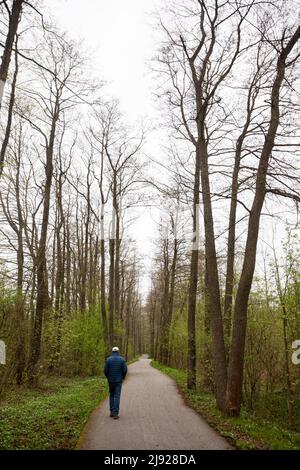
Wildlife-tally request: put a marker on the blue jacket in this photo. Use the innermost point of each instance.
(115, 368)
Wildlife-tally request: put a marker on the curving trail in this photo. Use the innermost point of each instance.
(153, 416)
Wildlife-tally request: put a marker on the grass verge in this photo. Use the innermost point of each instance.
(51, 417)
(245, 432)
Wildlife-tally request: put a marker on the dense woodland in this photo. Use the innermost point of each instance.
(225, 291)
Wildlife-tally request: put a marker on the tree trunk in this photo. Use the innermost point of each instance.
(42, 300)
(9, 115)
(12, 31)
(171, 297)
(102, 284)
(20, 300)
(111, 294)
(252, 95)
(218, 345)
(192, 298)
(236, 361)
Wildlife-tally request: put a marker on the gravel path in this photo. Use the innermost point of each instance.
(153, 416)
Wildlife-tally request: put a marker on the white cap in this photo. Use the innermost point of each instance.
(115, 349)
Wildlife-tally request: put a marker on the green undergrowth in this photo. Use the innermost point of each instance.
(51, 417)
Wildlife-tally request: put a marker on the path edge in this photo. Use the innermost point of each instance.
(188, 404)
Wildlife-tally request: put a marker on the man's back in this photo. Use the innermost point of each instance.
(115, 368)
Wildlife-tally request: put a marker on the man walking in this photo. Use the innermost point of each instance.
(115, 371)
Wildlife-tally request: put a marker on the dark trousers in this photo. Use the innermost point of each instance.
(114, 397)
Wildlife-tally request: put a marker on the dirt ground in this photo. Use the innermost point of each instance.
(153, 416)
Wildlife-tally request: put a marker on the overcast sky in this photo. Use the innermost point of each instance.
(121, 41)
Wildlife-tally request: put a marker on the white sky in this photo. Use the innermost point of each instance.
(121, 40)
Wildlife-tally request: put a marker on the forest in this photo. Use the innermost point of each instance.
(223, 297)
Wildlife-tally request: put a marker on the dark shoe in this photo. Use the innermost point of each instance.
(116, 417)
(111, 415)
